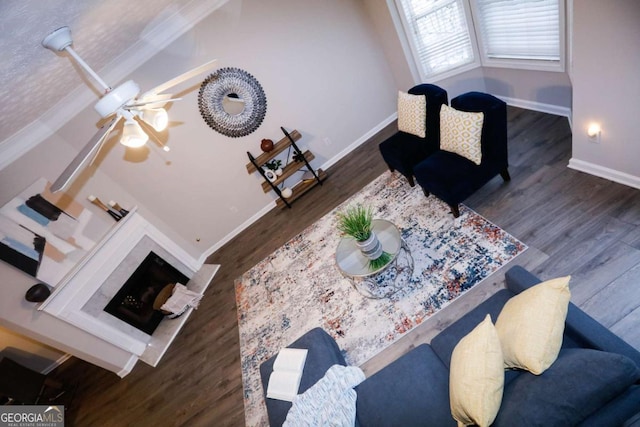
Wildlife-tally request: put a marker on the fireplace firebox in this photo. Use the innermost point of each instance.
(133, 303)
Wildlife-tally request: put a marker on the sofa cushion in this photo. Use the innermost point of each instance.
(460, 133)
(577, 384)
(412, 112)
(531, 325)
(476, 379)
(411, 391)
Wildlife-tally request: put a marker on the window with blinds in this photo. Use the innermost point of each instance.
(518, 29)
(439, 34)
(442, 34)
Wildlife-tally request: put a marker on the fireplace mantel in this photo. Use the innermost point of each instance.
(80, 297)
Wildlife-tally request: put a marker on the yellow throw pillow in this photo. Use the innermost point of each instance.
(412, 113)
(531, 325)
(476, 376)
(460, 133)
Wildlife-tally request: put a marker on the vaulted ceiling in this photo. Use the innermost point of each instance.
(113, 36)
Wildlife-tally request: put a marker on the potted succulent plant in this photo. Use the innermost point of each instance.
(356, 221)
(275, 165)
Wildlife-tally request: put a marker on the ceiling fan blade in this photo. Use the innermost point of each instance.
(85, 154)
(181, 78)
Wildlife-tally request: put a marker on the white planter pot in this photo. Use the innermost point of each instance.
(371, 248)
(271, 175)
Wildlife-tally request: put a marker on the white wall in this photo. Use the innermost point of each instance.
(536, 90)
(606, 66)
(323, 73)
(392, 46)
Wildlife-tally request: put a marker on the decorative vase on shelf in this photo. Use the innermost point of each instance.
(266, 145)
(271, 175)
(286, 192)
(115, 215)
(118, 208)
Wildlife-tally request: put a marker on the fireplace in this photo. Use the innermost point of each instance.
(133, 250)
(133, 303)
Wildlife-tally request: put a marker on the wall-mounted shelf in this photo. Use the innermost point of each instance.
(256, 163)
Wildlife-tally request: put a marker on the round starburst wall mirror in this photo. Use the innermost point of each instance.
(232, 102)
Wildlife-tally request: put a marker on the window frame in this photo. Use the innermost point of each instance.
(404, 29)
(523, 64)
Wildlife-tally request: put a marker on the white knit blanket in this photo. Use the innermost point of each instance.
(329, 402)
(181, 299)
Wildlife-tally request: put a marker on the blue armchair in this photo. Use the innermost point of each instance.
(403, 151)
(452, 177)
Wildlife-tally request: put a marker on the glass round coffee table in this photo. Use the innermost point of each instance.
(386, 280)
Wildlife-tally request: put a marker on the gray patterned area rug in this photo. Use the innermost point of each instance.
(299, 287)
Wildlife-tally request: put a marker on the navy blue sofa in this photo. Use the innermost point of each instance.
(594, 381)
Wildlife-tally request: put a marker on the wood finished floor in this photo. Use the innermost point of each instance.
(572, 222)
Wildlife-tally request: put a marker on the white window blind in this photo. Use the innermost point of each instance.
(440, 34)
(519, 29)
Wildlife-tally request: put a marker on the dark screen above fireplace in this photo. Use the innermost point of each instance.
(133, 303)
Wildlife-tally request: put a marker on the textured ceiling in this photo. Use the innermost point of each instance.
(34, 79)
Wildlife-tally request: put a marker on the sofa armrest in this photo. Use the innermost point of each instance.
(579, 326)
(588, 331)
(517, 279)
(323, 353)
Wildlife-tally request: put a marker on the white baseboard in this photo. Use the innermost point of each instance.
(606, 173)
(364, 138)
(537, 106)
(236, 231)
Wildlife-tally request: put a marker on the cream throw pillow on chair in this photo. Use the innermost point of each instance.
(412, 114)
(531, 325)
(460, 133)
(476, 376)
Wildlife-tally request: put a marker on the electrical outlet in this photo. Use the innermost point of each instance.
(326, 140)
(233, 209)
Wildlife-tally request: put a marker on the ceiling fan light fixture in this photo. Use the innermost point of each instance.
(132, 134)
(157, 118)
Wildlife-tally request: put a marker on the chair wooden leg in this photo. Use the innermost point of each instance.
(425, 191)
(505, 175)
(455, 210)
(410, 179)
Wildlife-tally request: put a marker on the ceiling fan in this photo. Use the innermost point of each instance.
(124, 102)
